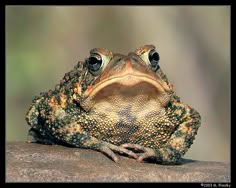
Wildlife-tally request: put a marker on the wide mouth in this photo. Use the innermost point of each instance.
(128, 89)
(127, 80)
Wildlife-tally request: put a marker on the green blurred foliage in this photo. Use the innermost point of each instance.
(44, 42)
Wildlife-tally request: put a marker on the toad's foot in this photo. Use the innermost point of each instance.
(108, 149)
(145, 152)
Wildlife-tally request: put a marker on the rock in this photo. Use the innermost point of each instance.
(28, 162)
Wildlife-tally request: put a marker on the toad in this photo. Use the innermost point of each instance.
(116, 104)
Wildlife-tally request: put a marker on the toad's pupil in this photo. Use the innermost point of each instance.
(94, 63)
(154, 59)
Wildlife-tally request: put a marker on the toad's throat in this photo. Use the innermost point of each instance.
(125, 91)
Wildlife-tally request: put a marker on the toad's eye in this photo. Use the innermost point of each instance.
(154, 58)
(94, 63)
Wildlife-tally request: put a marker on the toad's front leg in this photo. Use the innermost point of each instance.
(89, 142)
(76, 137)
(178, 143)
(73, 134)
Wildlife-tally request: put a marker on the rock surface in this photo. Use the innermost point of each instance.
(27, 162)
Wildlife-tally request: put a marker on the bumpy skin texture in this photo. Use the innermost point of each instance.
(116, 103)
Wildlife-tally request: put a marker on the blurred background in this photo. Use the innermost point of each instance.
(44, 42)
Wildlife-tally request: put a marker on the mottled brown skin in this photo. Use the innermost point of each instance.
(116, 103)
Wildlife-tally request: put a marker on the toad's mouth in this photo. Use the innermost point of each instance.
(124, 90)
